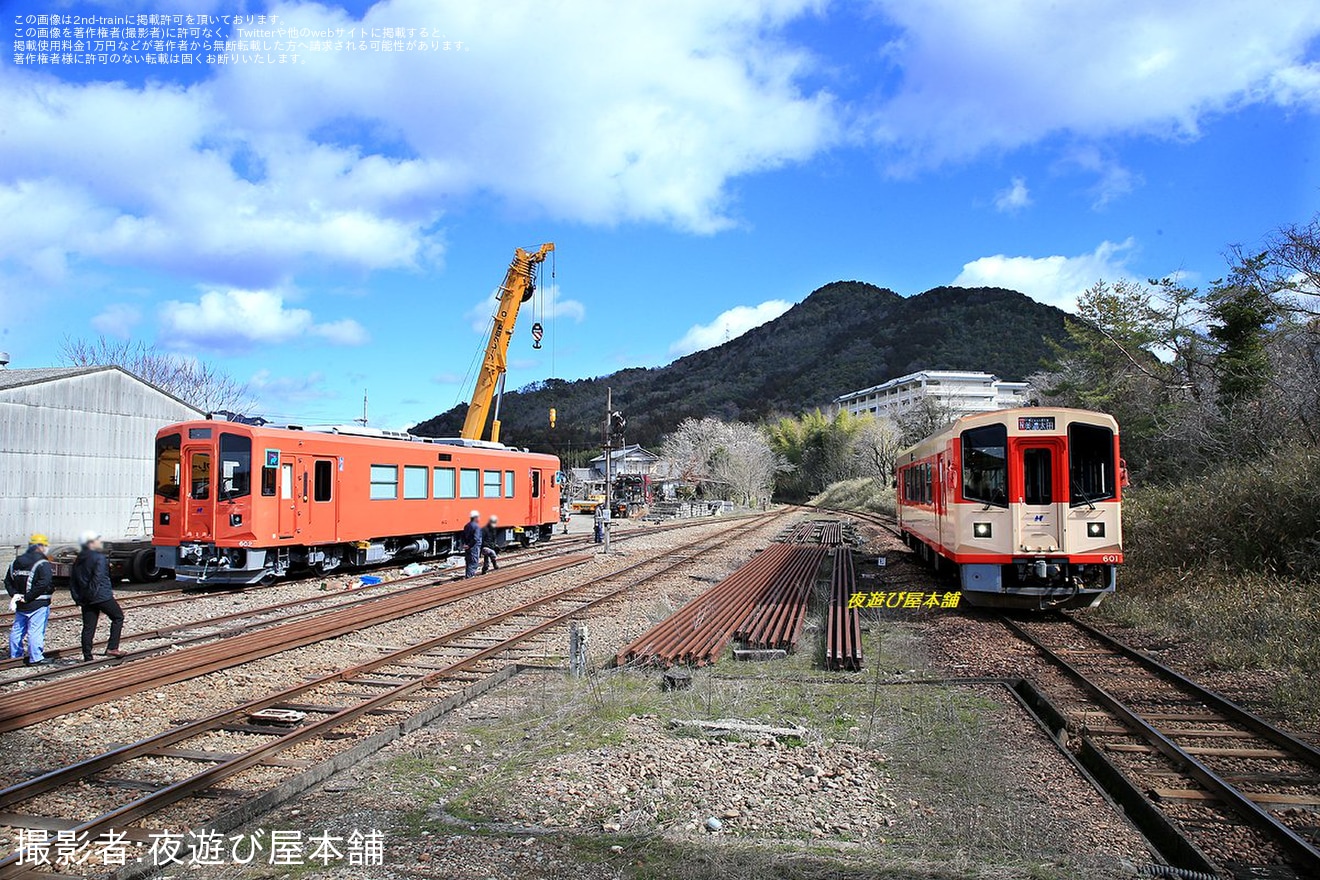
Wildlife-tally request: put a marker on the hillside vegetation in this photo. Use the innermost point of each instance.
(844, 336)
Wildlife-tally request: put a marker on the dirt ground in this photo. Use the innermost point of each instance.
(549, 776)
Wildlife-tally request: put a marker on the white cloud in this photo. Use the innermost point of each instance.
(979, 76)
(1014, 198)
(237, 319)
(602, 113)
(1055, 280)
(158, 187)
(1112, 179)
(117, 319)
(728, 325)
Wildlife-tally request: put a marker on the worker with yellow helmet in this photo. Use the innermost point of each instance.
(28, 583)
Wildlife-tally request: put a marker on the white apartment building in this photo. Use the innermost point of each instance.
(961, 393)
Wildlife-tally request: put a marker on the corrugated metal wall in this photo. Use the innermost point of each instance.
(76, 452)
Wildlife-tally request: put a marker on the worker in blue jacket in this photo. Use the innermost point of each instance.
(28, 583)
(472, 543)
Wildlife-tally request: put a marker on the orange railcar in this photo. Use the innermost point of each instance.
(241, 504)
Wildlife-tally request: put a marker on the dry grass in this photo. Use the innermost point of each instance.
(1230, 564)
(867, 494)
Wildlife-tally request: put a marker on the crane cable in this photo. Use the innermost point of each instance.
(554, 286)
(477, 355)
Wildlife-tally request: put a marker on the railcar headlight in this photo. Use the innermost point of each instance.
(981, 530)
(235, 519)
(1095, 530)
(164, 519)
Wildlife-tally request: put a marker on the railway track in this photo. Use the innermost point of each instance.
(154, 641)
(1244, 792)
(370, 693)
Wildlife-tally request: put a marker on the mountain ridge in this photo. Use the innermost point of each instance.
(843, 336)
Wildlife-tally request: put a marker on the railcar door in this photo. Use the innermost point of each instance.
(320, 497)
(288, 519)
(199, 495)
(534, 498)
(1041, 464)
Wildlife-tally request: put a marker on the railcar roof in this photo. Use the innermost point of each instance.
(355, 431)
(996, 416)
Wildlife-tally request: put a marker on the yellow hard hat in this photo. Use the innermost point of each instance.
(39, 538)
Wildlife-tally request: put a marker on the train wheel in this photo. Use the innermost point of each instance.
(144, 567)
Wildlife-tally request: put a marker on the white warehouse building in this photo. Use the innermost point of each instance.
(960, 393)
(76, 451)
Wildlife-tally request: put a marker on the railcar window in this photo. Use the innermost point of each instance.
(268, 478)
(384, 482)
(443, 485)
(323, 482)
(168, 463)
(414, 482)
(469, 483)
(508, 484)
(1091, 467)
(1037, 476)
(490, 484)
(536, 484)
(235, 466)
(199, 485)
(985, 465)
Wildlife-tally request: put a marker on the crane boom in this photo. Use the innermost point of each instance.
(519, 285)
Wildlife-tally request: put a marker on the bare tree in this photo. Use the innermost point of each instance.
(928, 416)
(745, 462)
(199, 383)
(876, 446)
(732, 459)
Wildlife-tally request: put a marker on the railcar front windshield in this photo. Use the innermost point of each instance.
(1091, 465)
(235, 466)
(169, 459)
(985, 465)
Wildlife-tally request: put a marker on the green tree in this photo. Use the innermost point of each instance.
(818, 449)
(1242, 315)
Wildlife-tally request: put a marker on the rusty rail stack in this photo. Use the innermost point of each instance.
(698, 632)
(778, 617)
(843, 631)
(826, 532)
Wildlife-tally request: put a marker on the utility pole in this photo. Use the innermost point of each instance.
(363, 421)
(609, 454)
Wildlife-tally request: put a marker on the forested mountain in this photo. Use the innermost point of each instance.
(844, 336)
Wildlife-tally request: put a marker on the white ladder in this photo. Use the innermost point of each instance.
(139, 521)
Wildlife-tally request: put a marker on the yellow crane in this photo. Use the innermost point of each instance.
(519, 285)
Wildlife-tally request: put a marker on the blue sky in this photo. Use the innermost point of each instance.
(339, 224)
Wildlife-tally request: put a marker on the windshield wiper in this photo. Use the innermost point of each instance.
(1080, 493)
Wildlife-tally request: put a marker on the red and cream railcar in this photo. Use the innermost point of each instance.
(1025, 504)
(239, 504)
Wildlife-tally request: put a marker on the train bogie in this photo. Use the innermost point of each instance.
(240, 504)
(1025, 504)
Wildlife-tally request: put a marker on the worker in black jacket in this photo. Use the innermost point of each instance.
(89, 582)
(472, 544)
(489, 536)
(28, 584)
